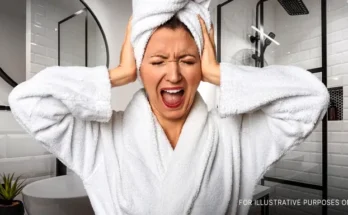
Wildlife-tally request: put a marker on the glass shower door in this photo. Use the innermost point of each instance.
(262, 33)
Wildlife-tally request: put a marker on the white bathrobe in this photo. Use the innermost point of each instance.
(125, 159)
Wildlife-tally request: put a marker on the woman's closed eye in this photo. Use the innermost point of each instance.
(188, 62)
(157, 63)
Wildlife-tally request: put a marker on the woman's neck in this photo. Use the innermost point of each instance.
(172, 129)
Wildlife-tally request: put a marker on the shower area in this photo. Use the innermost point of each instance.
(308, 34)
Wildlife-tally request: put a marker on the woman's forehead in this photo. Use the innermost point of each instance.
(165, 39)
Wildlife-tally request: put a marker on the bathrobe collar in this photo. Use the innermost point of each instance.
(178, 171)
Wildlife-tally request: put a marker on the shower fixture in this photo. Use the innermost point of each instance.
(269, 38)
(294, 7)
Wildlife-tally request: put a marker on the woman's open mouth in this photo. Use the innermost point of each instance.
(172, 97)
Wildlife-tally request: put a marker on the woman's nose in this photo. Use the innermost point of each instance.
(173, 73)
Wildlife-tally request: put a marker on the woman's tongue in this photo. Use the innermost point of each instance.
(171, 98)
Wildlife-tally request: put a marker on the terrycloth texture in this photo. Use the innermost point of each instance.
(150, 14)
(125, 159)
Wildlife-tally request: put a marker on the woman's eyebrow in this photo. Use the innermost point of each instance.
(159, 55)
(187, 55)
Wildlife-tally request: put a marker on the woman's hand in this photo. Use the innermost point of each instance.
(210, 66)
(126, 72)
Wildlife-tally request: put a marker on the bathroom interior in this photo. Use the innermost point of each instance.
(312, 34)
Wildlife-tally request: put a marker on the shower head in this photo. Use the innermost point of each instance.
(268, 41)
(294, 7)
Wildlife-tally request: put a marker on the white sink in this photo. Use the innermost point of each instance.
(63, 195)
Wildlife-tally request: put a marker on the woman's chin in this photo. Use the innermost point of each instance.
(174, 114)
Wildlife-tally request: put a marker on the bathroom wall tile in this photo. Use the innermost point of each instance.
(11, 126)
(315, 178)
(339, 47)
(344, 172)
(334, 126)
(338, 24)
(344, 57)
(42, 40)
(39, 19)
(345, 114)
(2, 146)
(334, 5)
(338, 137)
(345, 32)
(340, 69)
(43, 60)
(334, 37)
(51, 34)
(52, 53)
(311, 43)
(334, 148)
(338, 182)
(38, 49)
(35, 68)
(345, 126)
(38, 29)
(42, 3)
(315, 52)
(334, 170)
(340, 160)
(22, 145)
(314, 137)
(29, 167)
(39, 9)
(334, 59)
(344, 148)
(313, 158)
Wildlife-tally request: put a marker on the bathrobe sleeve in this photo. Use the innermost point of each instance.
(63, 108)
(280, 107)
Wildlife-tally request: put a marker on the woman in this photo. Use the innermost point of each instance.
(166, 154)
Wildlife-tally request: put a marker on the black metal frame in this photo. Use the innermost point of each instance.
(323, 69)
(61, 169)
(11, 82)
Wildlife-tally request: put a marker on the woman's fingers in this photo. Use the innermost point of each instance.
(212, 36)
(204, 30)
(127, 60)
(208, 37)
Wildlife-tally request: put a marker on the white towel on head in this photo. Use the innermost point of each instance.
(150, 14)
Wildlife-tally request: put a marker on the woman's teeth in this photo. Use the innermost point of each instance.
(172, 91)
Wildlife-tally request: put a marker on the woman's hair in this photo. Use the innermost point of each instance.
(175, 23)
